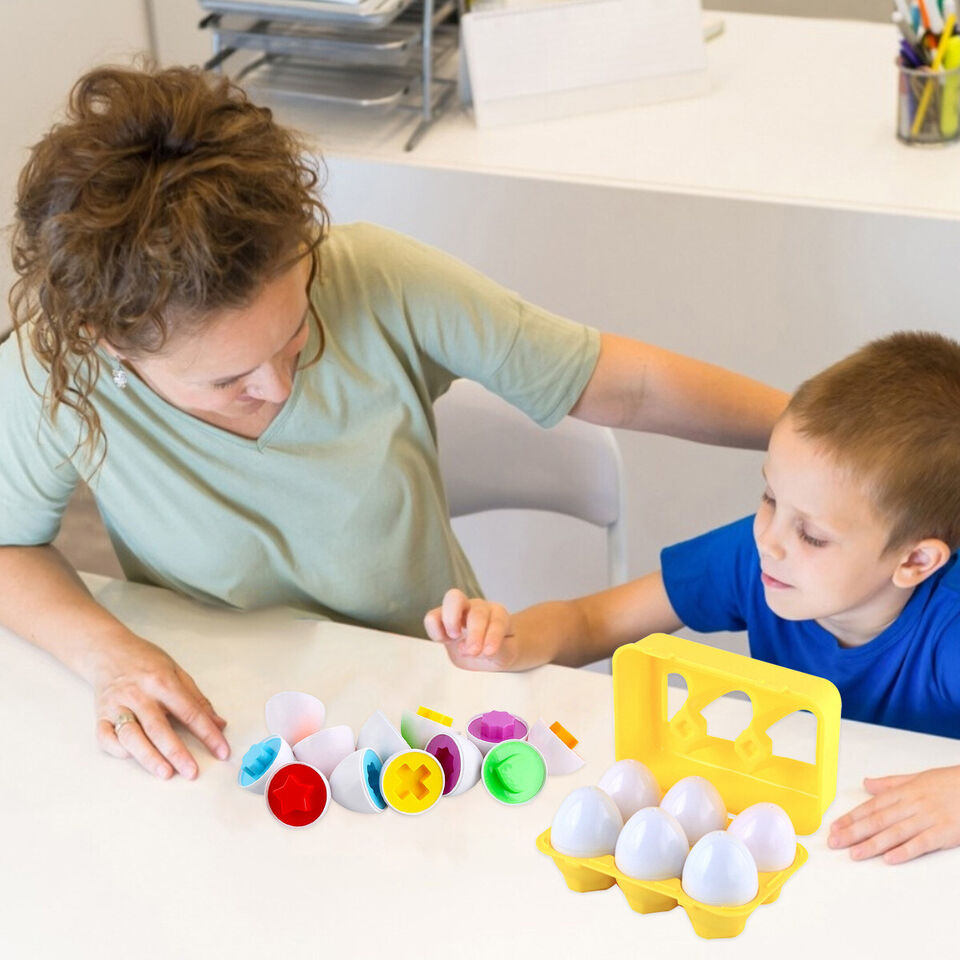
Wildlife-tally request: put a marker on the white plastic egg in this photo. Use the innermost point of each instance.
(586, 824)
(768, 834)
(719, 871)
(697, 804)
(324, 749)
(381, 736)
(631, 785)
(651, 846)
(294, 715)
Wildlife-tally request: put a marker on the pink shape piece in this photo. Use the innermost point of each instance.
(445, 749)
(498, 725)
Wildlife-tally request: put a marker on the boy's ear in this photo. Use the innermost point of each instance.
(923, 559)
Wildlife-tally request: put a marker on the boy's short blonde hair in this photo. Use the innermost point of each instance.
(890, 413)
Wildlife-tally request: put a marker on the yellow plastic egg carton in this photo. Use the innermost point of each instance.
(744, 770)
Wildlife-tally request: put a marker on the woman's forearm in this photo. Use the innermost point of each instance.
(700, 401)
(642, 387)
(45, 602)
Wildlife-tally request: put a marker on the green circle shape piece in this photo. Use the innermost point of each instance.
(514, 771)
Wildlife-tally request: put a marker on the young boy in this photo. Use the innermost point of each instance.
(846, 571)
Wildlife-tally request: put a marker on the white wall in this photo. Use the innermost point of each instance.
(179, 41)
(44, 46)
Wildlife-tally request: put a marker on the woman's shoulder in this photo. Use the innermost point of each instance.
(364, 236)
(23, 379)
(367, 251)
(25, 392)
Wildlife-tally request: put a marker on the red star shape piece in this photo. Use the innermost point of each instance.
(294, 795)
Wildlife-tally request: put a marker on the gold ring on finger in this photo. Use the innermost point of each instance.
(122, 719)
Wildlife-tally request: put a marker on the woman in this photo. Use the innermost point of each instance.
(249, 392)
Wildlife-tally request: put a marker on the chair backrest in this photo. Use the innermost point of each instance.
(493, 457)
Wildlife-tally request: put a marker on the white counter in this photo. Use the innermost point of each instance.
(801, 111)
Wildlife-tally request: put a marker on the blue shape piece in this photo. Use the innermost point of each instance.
(256, 761)
(371, 767)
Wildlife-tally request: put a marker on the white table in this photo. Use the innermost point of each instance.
(99, 860)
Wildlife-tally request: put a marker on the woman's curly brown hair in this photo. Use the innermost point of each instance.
(164, 196)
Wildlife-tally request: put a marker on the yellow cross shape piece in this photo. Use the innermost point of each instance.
(412, 782)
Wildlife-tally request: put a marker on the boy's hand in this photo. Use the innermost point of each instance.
(907, 817)
(478, 634)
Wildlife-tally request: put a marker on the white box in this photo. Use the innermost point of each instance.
(531, 63)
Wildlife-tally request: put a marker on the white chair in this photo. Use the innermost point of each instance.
(494, 457)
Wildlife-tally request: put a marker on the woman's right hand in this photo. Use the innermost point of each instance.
(132, 677)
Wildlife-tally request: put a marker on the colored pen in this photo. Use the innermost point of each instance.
(904, 27)
(936, 18)
(950, 102)
(909, 55)
(937, 61)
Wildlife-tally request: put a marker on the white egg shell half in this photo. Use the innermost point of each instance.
(460, 758)
(631, 785)
(586, 824)
(325, 748)
(697, 804)
(381, 736)
(417, 730)
(651, 846)
(719, 871)
(560, 758)
(768, 834)
(355, 782)
(294, 715)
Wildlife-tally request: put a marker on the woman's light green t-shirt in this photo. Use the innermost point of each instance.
(338, 507)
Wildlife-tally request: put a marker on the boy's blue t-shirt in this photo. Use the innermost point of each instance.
(908, 676)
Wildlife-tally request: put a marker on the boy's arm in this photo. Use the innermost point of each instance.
(480, 635)
(907, 817)
(620, 615)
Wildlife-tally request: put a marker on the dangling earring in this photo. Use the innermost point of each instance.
(120, 376)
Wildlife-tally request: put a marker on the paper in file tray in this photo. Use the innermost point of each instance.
(371, 14)
(540, 62)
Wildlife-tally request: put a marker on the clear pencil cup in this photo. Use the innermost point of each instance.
(928, 105)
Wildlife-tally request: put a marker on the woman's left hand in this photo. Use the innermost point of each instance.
(907, 817)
